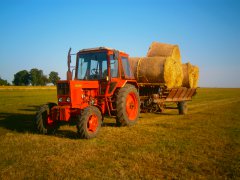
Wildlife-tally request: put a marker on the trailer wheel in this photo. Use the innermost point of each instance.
(89, 122)
(44, 124)
(128, 106)
(182, 107)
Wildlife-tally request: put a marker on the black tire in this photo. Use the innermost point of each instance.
(89, 122)
(182, 107)
(42, 125)
(127, 114)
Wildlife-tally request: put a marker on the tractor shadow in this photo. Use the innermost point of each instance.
(24, 123)
(31, 108)
(69, 134)
(17, 122)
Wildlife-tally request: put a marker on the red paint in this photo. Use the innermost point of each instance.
(132, 106)
(92, 123)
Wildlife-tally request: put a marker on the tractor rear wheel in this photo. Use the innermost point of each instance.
(89, 122)
(128, 106)
(43, 122)
(182, 107)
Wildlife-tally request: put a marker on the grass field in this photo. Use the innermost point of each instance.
(205, 144)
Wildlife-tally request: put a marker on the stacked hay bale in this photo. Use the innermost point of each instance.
(163, 65)
(164, 50)
(190, 75)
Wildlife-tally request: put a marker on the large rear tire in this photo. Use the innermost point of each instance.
(182, 107)
(44, 124)
(128, 106)
(89, 122)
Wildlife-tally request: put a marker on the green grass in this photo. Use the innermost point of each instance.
(205, 144)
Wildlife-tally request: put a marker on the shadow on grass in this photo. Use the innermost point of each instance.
(24, 123)
(32, 108)
(66, 134)
(20, 122)
(168, 114)
(108, 124)
(160, 113)
(17, 122)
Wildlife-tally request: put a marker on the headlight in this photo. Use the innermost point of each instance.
(60, 99)
(68, 99)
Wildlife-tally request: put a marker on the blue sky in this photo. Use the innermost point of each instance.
(38, 33)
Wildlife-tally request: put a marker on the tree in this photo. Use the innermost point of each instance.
(53, 77)
(44, 80)
(21, 78)
(3, 82)
(37, 77)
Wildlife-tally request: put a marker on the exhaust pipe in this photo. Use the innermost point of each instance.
(69, 73)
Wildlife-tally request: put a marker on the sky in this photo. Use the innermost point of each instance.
(38, 33)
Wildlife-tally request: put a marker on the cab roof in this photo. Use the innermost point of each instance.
(99, 49)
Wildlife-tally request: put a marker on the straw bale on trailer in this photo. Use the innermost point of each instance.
(157, 70)
(195, 76)
(173, 74)
(133, 63)
(164, 50)
(190, 75)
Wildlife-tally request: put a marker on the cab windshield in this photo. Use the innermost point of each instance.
(92, 66)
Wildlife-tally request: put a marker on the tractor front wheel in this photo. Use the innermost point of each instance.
(128, 106)
(43, 121)
(89, 122)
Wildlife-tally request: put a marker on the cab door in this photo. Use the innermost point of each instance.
(113, 74)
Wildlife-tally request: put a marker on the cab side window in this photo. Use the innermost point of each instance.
(114, 67)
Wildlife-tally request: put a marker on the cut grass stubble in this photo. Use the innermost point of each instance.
(203, 144)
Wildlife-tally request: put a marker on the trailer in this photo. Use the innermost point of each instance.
(155, 97)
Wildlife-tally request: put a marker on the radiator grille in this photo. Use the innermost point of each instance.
(63, 89)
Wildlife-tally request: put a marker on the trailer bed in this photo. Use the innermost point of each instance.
(180, 94)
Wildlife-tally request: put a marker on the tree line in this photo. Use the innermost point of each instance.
(34, 77)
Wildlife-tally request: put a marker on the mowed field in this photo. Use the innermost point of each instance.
(205, 144)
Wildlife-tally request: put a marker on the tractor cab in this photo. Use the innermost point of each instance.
(102, 64)
(107, 66)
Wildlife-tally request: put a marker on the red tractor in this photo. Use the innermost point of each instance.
(105, 84)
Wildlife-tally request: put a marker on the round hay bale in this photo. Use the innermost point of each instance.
(133, 63)
(185, 69)
(164, 50)
(157, 70)
(173, 74)
(190, 75)
(194, 76)
(150, 70)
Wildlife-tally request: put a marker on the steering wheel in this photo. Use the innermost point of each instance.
(94, 71)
